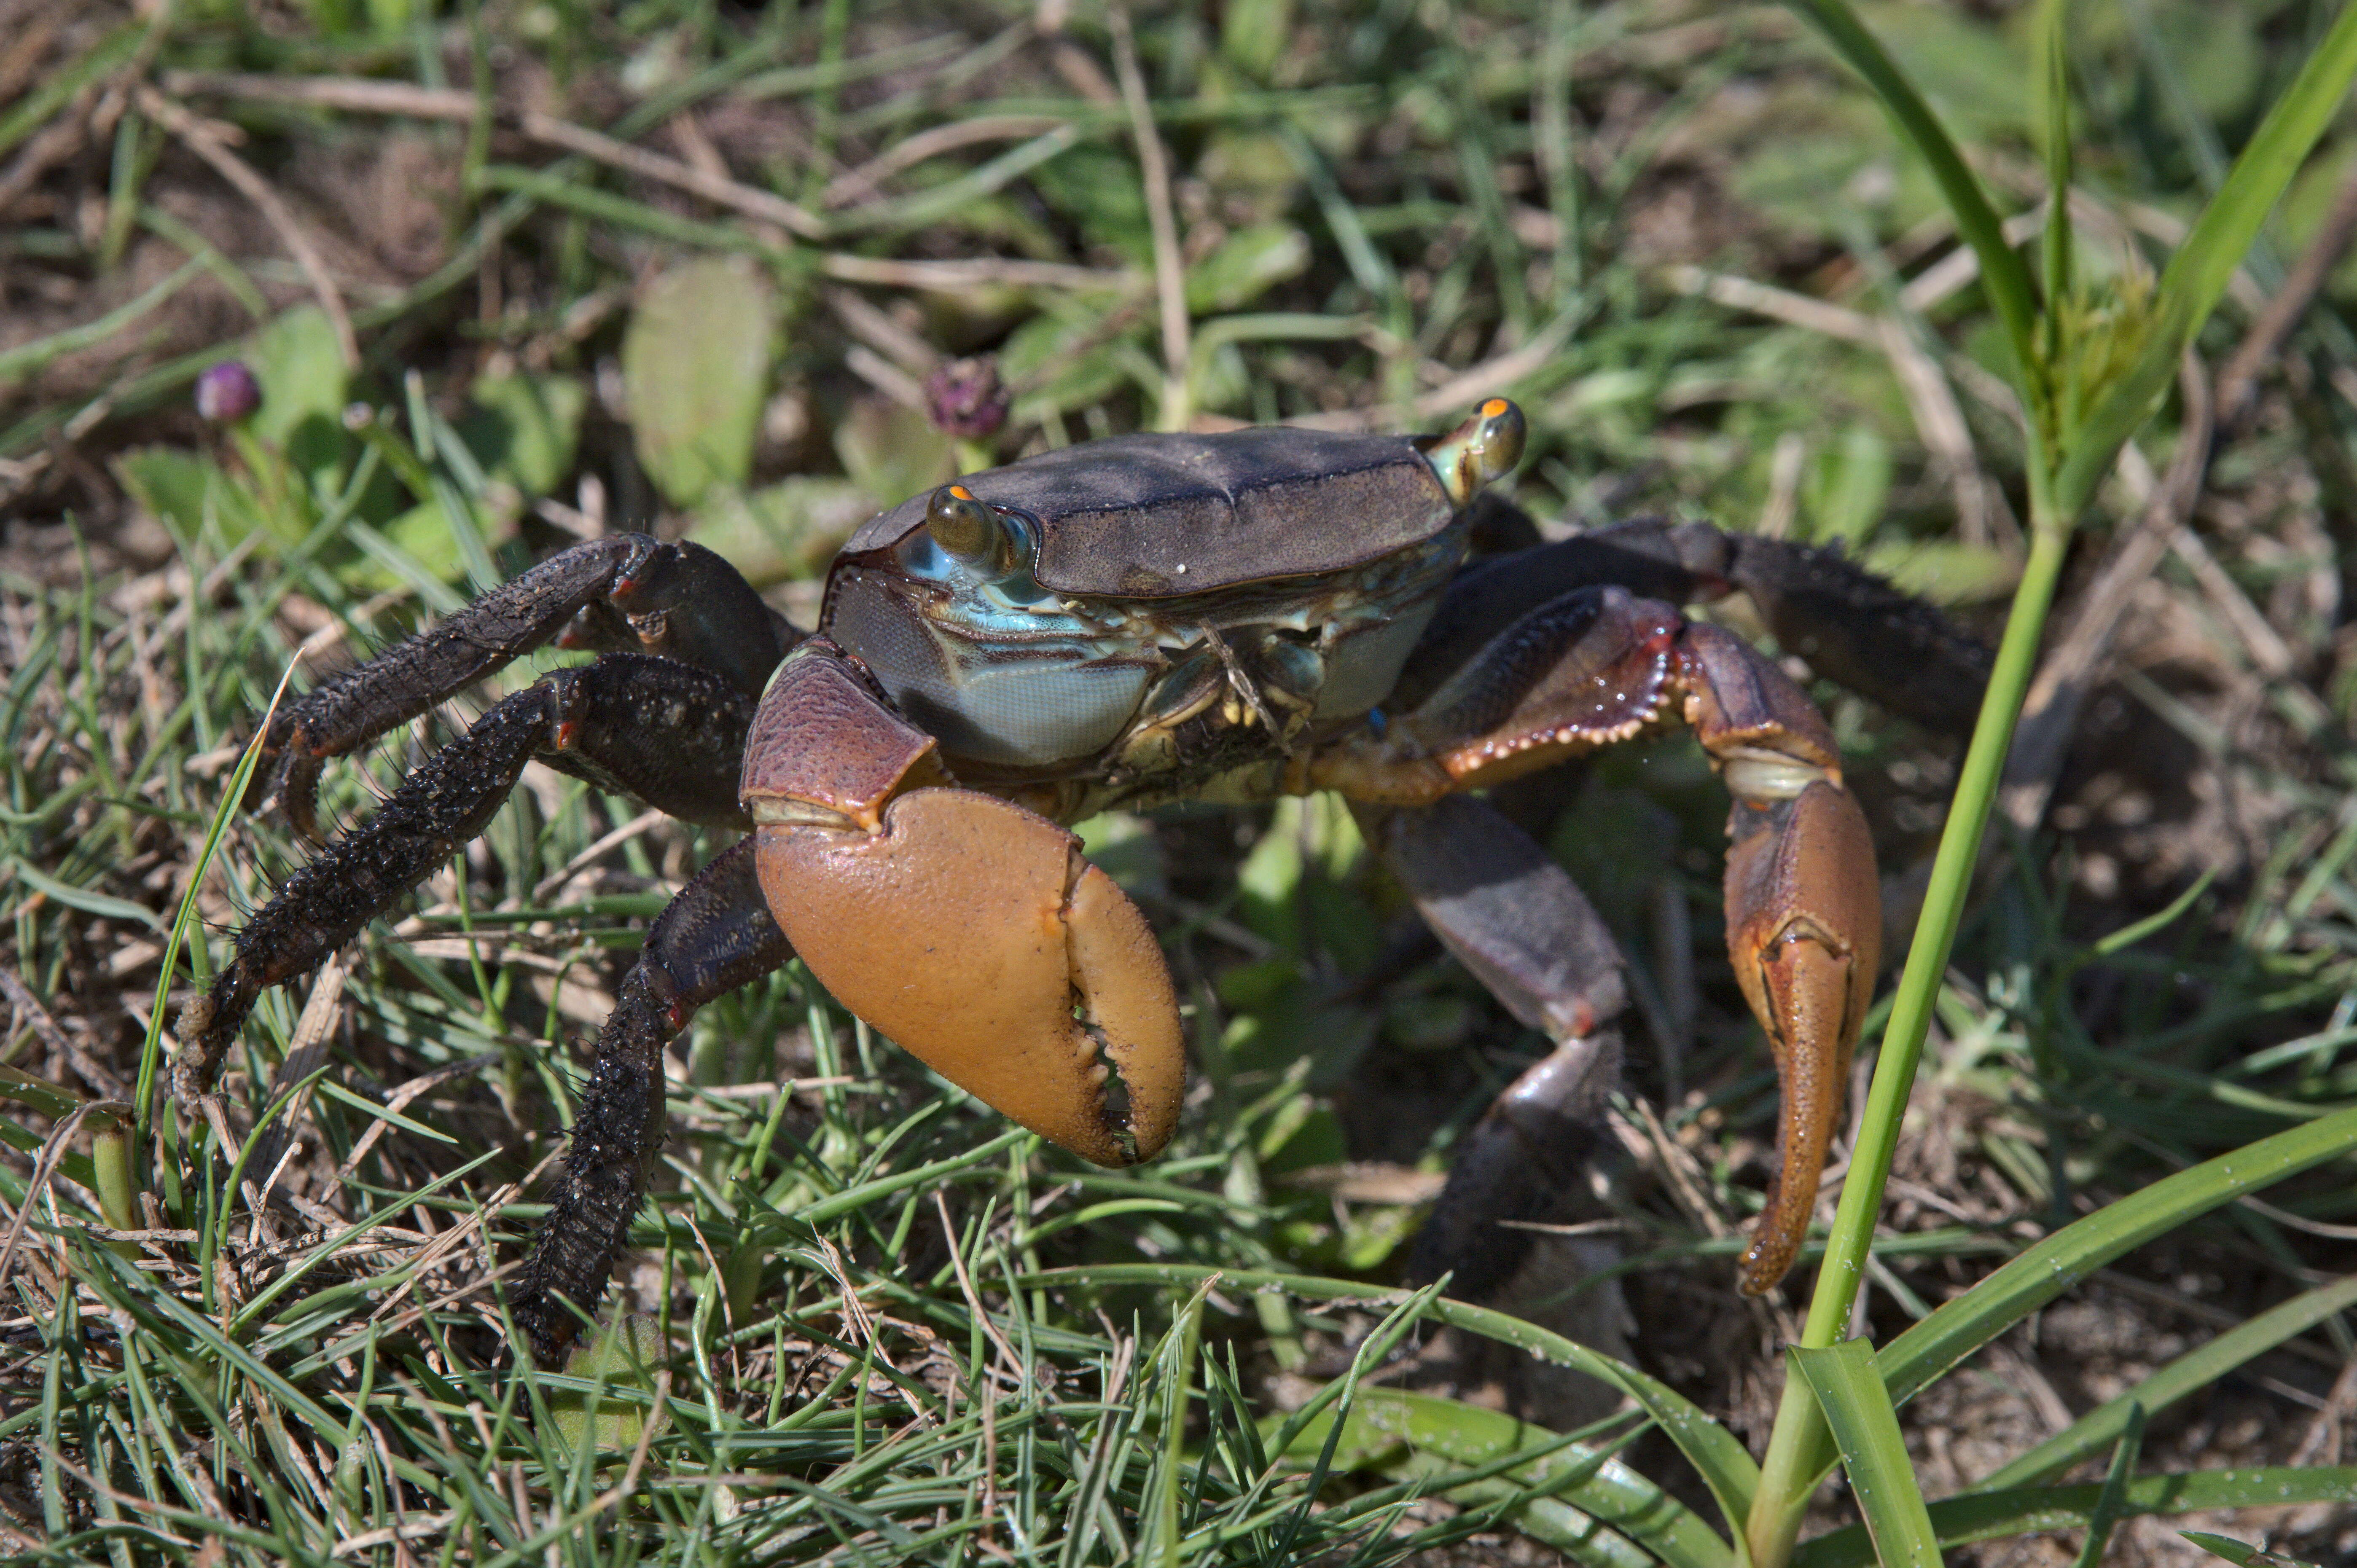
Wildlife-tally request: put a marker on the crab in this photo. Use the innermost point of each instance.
(1225, 618)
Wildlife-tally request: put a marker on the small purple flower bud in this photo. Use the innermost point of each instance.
(965, 397)
(227, 393)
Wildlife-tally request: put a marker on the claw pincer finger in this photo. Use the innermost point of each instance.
(1803, 914)
(968, 929)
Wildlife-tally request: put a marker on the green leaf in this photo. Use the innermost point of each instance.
(622, 1359)
(1866, 1427)
(2053, 78)
(88, 902)
(305, 386)
(1246, 265)
(2106, 1517)
(2195, 1370)
(2241, 1552)
(186, 491)
(2198, 273)
(892, 451)
(2002, 273)
(524, 428)
(1410, 1435)
(785, 531)
(1925, 1352)
(1725, 1468)
(1993, 1516)
(2045, 1270)
(696, 365)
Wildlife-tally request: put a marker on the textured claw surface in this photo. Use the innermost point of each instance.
(972, 932)
(1803, 931)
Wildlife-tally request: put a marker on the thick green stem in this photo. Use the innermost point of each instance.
(1799, 1449)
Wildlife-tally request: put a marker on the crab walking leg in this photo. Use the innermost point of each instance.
(1849, 625)
(629, 592)
(1803, 907)
(667, 733)
(1514, 917)
(717, 936)
(970, 931)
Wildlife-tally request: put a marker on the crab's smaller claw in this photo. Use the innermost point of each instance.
(968, 929)
(1804, 911)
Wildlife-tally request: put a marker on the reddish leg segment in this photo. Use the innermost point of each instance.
(1803, 910)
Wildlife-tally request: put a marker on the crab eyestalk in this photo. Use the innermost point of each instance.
(971, 531)
(1479, 452)
(968, 929)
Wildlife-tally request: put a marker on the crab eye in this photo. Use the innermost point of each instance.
(1484, 449)
(969, 530)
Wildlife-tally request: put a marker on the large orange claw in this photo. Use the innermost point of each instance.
(1803, 931)
(973, 933)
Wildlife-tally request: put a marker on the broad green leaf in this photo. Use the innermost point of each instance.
(1847, 487)
(1945, 571)
(782, 531)
(893, 452)
(623, 1357)
(1406, 1435)
(696, 364)
(2198, 273)
(186, 491)
(1246, 264)
(1992, 1516)
(524, 428)
(304, 389)
(1253, 33)
(1866, 1427)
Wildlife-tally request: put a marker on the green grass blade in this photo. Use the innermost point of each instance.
(1865, 1425)
(1604, 1488)
(2198, 273)
(2054, 132)
(1991, 1516)
(2189, 1373)
(1710, 1448)
(1931, 1348)
(2106, 1517)
(2002, 273)
(1927, 1351)
(2241, 1552)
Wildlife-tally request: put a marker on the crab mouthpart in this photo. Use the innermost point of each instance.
(975, 934)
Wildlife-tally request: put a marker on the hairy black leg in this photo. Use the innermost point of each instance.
(628, 592)
(1853, 628)
(1851, 625)
(670, 733)
(1514, 917)
(714, 936)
